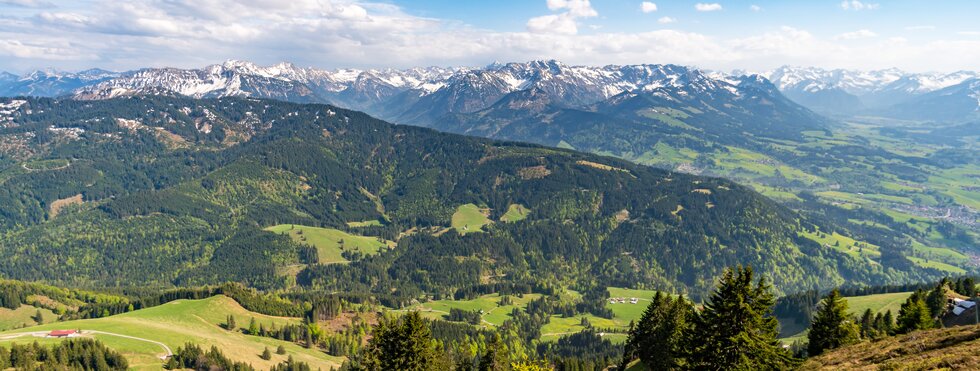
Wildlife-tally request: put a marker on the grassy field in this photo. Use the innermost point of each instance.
(366, 223)
(23, 316)
(878, 303)
(515, 213)
(844, 244)
(330, 243)
(177, 323)
(494, 314)
(856, 305)
(470, 218)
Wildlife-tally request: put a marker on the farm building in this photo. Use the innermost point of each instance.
(961, 306)
(63, 333)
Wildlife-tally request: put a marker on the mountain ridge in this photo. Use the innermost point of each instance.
(200, 179)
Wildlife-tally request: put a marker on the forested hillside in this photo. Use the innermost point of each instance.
(161, 190)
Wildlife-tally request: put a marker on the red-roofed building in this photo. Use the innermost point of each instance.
(63, 333)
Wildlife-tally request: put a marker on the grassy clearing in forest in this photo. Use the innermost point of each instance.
(331, 243)
(470, 218)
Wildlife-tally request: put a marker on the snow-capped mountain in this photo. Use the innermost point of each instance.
(849, 91)
(422, 95)
(50, 82)
(957, 103)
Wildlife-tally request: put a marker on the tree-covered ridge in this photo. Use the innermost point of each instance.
(177, 191)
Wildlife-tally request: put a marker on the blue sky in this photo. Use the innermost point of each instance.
(751, 35)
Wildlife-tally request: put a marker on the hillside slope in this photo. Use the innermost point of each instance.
(178, 191)
(177, 323)
(956, 348)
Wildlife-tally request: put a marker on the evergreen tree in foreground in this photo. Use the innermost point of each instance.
(736, 329)
(914, 314)
(831, 326)
(495, 358)
(660, 338)
(936, 300)
(403, 344)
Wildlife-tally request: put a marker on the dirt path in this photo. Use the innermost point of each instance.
(44, 333)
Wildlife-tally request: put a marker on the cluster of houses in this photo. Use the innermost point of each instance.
(623, 300)
(960, 306)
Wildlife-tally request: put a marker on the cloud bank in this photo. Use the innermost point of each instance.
(334, 33)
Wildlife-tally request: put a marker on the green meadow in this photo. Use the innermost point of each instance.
(177, 323)
(331, 243)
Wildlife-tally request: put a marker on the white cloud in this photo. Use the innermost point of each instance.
(859, 34)
(343, 33)
(755, 8)
(553, 23)
(920, 28)
(577, 8)
(858, 5)
(28, 3)
(648, 7)
(969, 33)
(707, 7)
(666, 20)
(563, 23)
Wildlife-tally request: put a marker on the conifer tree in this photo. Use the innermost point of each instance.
(230, 323)
(253, 327)
(266, 354)
(660, 338)
(969, 287)
(495, 358)
(887, 324)
(914, 314)
(936, 300)
(736, 329)
(869, 324)
(281, 350)
(403, 344)
(831, 326)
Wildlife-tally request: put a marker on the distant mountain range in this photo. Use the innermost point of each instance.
(947, 97)
(422, 95)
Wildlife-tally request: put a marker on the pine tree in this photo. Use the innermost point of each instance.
(736, 329)
(869, 324)
(831, 326)
(253, 327)
(914, 314)
(495, 358)
(38, 317)
(230, 323)
(887, 324)
(969, 287)
(659, 339)
(266, 354)
(403, 344)
(936, 300)
(281, 350)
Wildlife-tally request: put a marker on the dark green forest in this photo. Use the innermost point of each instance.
(168, 202)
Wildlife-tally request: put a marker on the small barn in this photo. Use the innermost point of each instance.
(63, 333)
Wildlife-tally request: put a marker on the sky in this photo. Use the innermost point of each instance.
(749, 35)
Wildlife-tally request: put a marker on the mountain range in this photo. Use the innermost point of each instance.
(172, 190)
(420, 95)
(944, 97)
